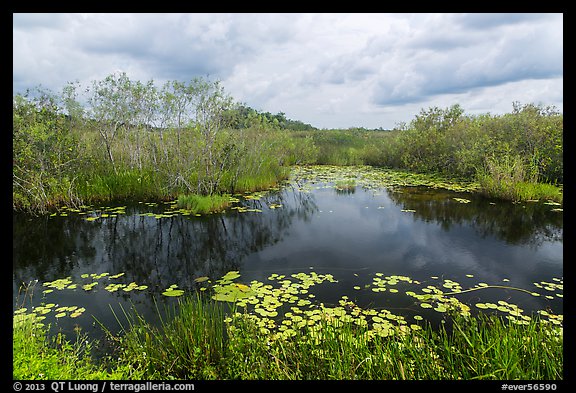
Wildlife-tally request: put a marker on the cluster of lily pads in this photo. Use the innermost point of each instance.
(67, 283)
(262, 303)
(169, 208)
(285, 303)
(373, 178)
(89, 282)
(304, 179)
(38, 314)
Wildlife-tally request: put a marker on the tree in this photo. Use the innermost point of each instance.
(44, 151)
(109, 108)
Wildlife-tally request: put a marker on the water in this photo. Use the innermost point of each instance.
(412, 231)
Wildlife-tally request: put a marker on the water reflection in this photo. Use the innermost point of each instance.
(412, 231)
(528, 223)
(151, 251)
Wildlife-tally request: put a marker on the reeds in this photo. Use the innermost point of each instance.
(204, 204)
(200, 343)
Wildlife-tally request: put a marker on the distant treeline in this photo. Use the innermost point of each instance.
(242, 116)
(124, 139)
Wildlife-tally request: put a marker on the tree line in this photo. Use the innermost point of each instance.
(120, 138)
(130, 139)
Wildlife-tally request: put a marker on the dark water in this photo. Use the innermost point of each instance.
(351, 235)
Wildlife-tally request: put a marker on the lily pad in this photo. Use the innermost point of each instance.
(173, 292)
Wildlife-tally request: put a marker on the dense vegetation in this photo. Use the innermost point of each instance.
(127, 139)
(199, 338)
(133, 140)
(482, 348)
(515, 156)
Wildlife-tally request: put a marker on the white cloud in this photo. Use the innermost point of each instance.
(330, 70)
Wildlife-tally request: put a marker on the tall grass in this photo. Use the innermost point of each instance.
(199, 342)
(480, 348)
(39, 355)
(489, 348)
(124, 185)
(505, 177)
(204, 204)
(199, 338)
(189, 344)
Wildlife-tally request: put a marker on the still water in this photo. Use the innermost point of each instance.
(427, 234)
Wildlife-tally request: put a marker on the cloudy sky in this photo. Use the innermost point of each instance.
(329, 70)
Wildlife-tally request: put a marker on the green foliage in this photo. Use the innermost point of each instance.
(189, 344)
(242, 116)
(505, 177)
(339, 147)
(275, 331)
(123, 185)
(448, 142)
(40, 356)
(528, 351)
(204, 204)
(136, 140)
(44, 152)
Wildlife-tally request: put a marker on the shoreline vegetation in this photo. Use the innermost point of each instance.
(274, 331)
(128, 140)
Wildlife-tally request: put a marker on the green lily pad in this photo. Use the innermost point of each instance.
(89, 287)
(173, 292)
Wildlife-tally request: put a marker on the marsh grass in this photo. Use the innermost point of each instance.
(200, 204)
(198, 343)
(201, 338)
(124, 185)
(261, 181)
(518, 191)
(39, 355)
(489, 348)
(345, 186)
(480, 348)
(507, 178)
(188, 344)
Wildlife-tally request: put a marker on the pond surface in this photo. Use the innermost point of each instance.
(430, 235)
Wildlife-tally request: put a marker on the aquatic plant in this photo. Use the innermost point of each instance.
(279, 325)
(199, 204)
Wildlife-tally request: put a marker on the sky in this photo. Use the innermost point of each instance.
(330, 70)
